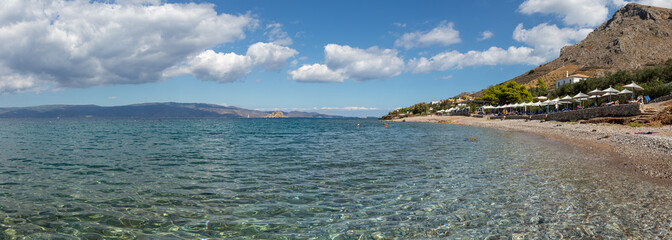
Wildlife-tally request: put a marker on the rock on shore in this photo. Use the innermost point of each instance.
(276, 115)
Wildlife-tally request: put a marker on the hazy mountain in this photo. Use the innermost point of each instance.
(635, 37)
(145, 110)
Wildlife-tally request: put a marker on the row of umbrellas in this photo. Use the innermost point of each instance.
(448, 110)
(577, 98)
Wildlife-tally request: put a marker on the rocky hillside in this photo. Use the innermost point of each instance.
(636, 36)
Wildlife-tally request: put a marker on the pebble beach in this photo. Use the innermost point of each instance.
(645, 151)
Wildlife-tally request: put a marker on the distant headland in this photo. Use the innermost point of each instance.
(147, 110)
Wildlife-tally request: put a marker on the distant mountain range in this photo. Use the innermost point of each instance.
(636, 37)
(146, 110)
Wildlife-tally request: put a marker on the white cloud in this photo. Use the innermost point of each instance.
(485, 35)
(316, 73)
(217, 67)
(401, 25)
(228, 67)
(456, 60)
(271, 55)
(657, 3)
(588, 13)
(443, 35)
(545, 46)
(16, 83)
(84, 44)
(363, 64)
(113, 98)
(138, 2)
(277, 35)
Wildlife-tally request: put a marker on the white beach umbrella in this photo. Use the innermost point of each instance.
(610, 90)
(540, 98)
(625, 91)
(609, 95)
(633, 86)
(596, 93)
(566, 99)
(580, 95)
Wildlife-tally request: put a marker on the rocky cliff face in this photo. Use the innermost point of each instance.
(636, 36)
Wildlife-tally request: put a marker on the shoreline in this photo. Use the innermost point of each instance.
(646, 155)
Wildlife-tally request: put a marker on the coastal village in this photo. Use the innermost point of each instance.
(615, 75)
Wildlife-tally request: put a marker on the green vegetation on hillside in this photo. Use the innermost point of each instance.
(420, 108)
(511, 92)
(656, 82)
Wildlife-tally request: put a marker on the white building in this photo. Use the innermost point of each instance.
(570, 79)
(434, 102)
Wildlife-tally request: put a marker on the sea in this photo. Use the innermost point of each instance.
(311, 179)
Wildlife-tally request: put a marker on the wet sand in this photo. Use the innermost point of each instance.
(644, 155)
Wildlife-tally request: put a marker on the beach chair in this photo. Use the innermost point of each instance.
(647, 99)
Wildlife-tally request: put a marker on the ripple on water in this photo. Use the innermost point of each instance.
(302, 178)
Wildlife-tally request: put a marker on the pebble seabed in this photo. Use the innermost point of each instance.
(317, 179)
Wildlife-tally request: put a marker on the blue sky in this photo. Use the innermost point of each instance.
(351, 58)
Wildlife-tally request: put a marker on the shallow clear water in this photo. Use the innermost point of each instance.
(305, 178)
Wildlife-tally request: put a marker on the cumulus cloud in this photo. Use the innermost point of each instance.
(228, 67)
(443, 35)
(363, 64)
(545, 46)
(138, 2)
(84, 44)
(456, 60)
(270, 55)
(316, 73)
(586, 13)
(213, 66)
(485, 35)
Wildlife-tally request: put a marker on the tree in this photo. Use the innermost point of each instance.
(541, 85)
(420, 108)
(510, 92)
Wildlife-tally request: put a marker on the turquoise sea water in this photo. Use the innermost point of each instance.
(310, 178)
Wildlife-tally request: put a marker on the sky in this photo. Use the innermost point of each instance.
(349, 58)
